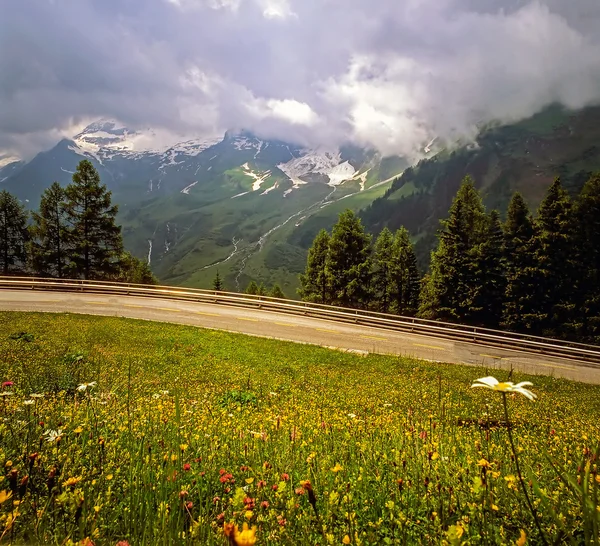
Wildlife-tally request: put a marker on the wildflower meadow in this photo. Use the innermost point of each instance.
(116, 431)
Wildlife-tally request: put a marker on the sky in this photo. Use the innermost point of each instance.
(386, 74)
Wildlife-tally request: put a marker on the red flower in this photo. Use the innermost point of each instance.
(264, 504)
(7, 384)
(187, 466)
(285, 477)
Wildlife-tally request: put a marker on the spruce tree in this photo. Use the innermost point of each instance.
(489, 278)
(48, 248)
(406, 284)
(217, 284)
(588, 256)
(314, 282)
(453, 278)
(277, 292)
(133, 270)
(349, 262)
(382, 270)
(521, 284)
(554, 270)
(252, 288)
(262, 290)
(13, 234)
(95, 239)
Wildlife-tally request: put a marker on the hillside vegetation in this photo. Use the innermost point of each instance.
(121, 430)
(524, 157)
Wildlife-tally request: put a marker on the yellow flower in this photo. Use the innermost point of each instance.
(337, 467)
(245, 537)
(506, 387)
(78, 430)
(4, 496)
(483, 463)
(72, 481)
(346, 539)
(522, 540)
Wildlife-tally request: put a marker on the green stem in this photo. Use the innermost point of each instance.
(522, 482)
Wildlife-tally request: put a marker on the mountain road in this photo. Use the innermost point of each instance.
(316, 331)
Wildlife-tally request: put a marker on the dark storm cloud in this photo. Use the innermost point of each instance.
(387, 74)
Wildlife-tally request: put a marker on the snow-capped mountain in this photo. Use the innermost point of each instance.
(106, 140)
(9, 165)
(189, 204)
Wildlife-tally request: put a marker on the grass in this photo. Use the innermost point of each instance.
(186, 430)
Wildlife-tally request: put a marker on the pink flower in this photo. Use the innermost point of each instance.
(7, 384)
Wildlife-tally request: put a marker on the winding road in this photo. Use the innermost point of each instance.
(326, 333)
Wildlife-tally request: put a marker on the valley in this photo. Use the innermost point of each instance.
(250, 208)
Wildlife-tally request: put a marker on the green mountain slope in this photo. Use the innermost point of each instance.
(526, 156)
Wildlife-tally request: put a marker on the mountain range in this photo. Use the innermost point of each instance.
(250, 207)
(200, 205)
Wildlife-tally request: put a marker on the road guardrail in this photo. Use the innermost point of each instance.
(492, 338)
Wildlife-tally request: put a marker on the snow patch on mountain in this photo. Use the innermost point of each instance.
(8, 159)
(258, 178)
(187, 189)
(326, 162)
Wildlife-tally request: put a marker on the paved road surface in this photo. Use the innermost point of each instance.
(296, 328)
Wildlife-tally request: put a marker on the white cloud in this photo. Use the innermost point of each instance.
(386, 74)
(277, 9)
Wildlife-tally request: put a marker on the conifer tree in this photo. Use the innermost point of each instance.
(252, 288)
(349, 262)
(489, 279)
(277, 292)
(262, 290)
(133, 270)
(13, 234)
(382, 270)
(553, 307)
(453, 276)
(404, 275)
(217, 284)
(95, 239)
(314, 282)
(519, 262)
(588, 257)
(48, 248)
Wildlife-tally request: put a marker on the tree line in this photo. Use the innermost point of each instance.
(531, 274)
(73, 234)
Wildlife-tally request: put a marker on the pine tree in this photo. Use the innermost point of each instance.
(134, 271)
(588, 256)
(519, 262)
(48, 248)
(95, 239)
(314, 282)
(406, 284)
(262, 290)
(277, 292)
(382, 270)
(349, 262)
(553, 310)
(13, 234)
(489, 278)
(217, 284)
(453, 276)
(252, 289)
